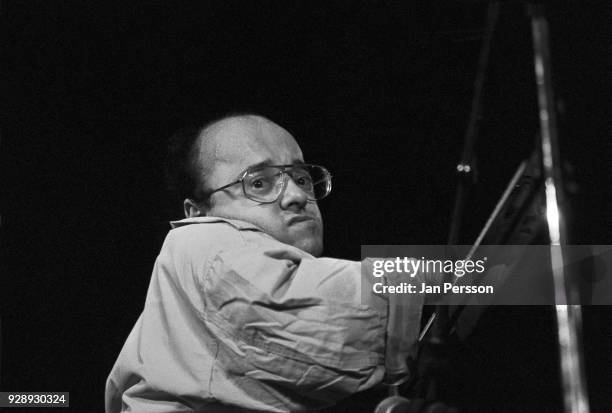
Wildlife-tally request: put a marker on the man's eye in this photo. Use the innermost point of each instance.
(303, 180)
(261, 183)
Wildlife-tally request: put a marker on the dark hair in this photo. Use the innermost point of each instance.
(181, 169)
(184, 176)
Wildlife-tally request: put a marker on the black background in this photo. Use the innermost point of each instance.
(378, 91)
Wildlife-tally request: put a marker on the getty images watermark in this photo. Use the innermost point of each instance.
(435, 268)
(491, 275)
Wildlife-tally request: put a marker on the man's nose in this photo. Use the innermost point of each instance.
(293, 195)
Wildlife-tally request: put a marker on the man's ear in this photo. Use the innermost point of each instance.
(192, 209)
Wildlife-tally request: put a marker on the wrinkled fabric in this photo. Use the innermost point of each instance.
(237, 321)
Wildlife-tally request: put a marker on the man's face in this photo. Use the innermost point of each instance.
(235, 144)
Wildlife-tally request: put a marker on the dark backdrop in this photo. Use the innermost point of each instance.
(379, 91)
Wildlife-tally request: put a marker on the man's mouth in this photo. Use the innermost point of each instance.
(299, 218)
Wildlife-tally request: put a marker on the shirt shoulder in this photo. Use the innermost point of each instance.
(209, 234)
(198, 239)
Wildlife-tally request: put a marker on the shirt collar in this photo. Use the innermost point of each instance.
(238, 224)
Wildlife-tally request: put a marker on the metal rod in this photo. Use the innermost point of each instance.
(569, 318)
(466, 166)
(498, 207)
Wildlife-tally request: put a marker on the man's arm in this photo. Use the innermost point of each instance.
(260, 324)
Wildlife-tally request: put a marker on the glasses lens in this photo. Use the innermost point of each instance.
(263, 184)
(314, 180)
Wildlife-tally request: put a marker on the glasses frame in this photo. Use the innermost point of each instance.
(285, 176)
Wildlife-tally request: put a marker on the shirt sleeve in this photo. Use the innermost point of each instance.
(305, 325)
(237, 320)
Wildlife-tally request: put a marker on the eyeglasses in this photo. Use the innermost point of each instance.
(265, 184)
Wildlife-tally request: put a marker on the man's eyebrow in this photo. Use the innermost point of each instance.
(269, 162)
(266, 162)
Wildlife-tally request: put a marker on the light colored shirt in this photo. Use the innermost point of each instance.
(235, 320)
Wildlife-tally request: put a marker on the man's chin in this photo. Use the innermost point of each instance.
(306, 236)
(310, 245)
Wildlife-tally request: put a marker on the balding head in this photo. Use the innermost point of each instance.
(227, 148)
(231, 140)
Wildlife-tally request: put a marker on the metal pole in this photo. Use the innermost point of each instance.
(466, 168)
(569, 319)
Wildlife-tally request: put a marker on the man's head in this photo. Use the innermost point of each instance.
(226, 148)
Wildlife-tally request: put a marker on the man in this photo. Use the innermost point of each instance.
(240, 314)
